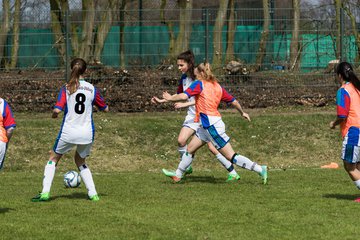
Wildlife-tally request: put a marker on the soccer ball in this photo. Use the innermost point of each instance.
(72, 179)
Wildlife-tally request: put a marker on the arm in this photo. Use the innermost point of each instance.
(238, 107)
(336, 122)
(184, 104)
(157, 100)
(175, 97)
(342, 107)
(9, 133)
(55, 113)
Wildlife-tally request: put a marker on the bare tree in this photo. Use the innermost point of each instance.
(180, 42)
(103, 29)
(15, 39)
(217, 35)
(295, 43)
(230, 54)
(4, 28)
(338, 6)
(354, 29)
(264, 36)
(122, 38)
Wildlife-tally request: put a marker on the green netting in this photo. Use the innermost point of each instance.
(148, 45)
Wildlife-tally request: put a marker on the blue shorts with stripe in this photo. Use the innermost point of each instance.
(350, 148)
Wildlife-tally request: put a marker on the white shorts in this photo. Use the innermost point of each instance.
(2, 153)
(61, 147)
(214, 134)
(189, 122)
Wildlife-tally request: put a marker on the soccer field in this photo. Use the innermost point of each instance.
(301, 200)
(297, 204)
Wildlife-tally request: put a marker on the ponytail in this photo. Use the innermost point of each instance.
(207, 74)
(78, 67)
(346, 71)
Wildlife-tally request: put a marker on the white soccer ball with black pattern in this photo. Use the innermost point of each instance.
(72, 179)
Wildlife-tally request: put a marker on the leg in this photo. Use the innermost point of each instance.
(187, 158)
(49, 173)
(352, 170)
(184, 135)
(81, 152)
(243, 161)
(226, 163)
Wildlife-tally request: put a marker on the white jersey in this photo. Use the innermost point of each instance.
(78, 126)
(185, 83)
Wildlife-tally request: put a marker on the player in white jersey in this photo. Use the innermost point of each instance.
(186, 64)
(76, 99)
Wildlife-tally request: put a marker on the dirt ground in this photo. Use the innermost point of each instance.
(131, 90)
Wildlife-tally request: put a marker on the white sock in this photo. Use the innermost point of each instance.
(246, 163)
(86, 176)
(49, 173)
(186, 161)
(226, 163)
(182, 150)
(357, 183)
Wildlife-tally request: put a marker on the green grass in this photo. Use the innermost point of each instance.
(301, 201)
(297, 204)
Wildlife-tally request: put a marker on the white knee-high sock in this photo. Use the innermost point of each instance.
(182, 150)
(357, 183)
(246, 163)
(49, 173)
(87, 178)
(226, 163)
(186, 161)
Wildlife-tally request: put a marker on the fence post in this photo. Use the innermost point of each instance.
(206, 34)
(67, 45)
(342, 26)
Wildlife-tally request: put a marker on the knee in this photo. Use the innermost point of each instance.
(181, 141)
(349, 167)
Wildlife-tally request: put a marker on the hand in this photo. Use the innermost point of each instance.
(156, 100)
(180, 105)
(332, 125)
(166, 96)
(246, 116)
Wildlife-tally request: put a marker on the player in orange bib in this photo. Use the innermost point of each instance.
(348, 116)
(7, 126)
(208, 95)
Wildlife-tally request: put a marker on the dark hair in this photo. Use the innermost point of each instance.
(347, 73)
(78, 67)
(189, 58)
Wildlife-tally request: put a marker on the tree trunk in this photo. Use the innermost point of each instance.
(57, 27)
(183, 37)
(264, 36)
(87, 30)
(4, 29)
(295, 43)
(169, 25)
(122, 39)
(103, 30)
(355, 32)
(16, 32)
(230, 54)
(338, 5)
(217, 35)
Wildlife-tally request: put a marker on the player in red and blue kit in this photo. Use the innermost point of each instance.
(208, 95)
(186, 64)
(348, 117)
(7, 126)
(76, 99)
